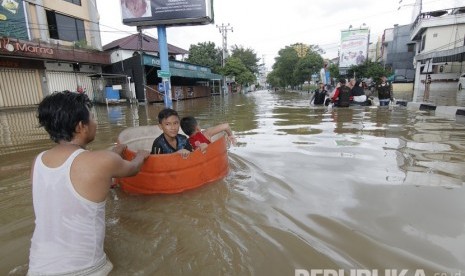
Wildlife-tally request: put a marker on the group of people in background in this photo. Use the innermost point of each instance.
(350, 92)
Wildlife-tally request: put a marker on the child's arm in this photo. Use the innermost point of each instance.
(212, 131)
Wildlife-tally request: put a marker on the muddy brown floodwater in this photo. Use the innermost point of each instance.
(308, 188)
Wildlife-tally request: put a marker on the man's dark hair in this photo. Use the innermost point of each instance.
(188, 125)
(342, 81)
(59, 113)
(165, 113)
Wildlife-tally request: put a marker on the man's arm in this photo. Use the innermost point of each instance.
(92, 175)
(116, 166)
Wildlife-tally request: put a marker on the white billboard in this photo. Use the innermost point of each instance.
(354, 47)
(166, 12)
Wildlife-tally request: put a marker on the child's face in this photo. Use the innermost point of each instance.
(170, 126)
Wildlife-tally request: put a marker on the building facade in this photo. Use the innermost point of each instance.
(136, 57)
(440, 52)
(47, 46)
(398, 51)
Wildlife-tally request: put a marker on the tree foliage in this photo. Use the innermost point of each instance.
(368, 69)
(273, 79)
(206, 54)
(285, 64)
(334, 71)
(235, 67)
(247, 56)
(296, 63)
(308, 65)
(242, 64)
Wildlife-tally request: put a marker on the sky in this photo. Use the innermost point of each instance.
(266, 26)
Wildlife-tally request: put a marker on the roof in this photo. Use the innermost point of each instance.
(194, 74)
(149, 44)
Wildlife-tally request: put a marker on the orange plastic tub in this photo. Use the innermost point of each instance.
(170, 173)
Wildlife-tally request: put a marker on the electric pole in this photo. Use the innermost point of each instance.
(224, 33)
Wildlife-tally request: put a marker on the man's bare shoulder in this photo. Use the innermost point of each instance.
(100, 156)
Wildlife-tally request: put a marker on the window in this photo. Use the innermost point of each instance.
(423, 41)
(65, 28)
(76, 2)
(410, 48)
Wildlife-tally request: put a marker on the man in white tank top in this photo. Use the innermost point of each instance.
(69, 188)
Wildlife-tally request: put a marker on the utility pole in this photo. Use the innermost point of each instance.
(224, 33)
(141, 56)
(263, 72)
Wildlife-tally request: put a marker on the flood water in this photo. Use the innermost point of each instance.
(308, 188)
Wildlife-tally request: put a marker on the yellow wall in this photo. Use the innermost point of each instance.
(62, 7)
(33, 25)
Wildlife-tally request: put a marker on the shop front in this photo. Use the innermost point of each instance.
(187, 80)
(29, 71)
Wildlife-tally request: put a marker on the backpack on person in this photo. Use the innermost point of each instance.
(344, 96)
(319, 97)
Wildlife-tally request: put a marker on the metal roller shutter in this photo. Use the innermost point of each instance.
(60, 81)
(19, 87)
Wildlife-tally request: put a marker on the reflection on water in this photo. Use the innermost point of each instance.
(364, 187)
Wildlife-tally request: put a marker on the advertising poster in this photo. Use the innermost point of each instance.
(354, 47)
(166, 12)
(13, 20)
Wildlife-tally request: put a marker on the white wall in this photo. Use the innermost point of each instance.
(444, 37)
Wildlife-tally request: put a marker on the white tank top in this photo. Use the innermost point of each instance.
(69, 229)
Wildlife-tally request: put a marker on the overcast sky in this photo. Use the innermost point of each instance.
(266, 26)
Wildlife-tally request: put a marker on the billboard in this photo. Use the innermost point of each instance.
(354, 47)
(13, 20)
(166, 12)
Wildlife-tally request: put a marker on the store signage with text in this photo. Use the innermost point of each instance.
(16, 46)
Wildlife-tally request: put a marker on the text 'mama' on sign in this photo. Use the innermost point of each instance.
(166, 12)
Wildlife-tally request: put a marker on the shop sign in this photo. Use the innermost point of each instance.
(16, 46)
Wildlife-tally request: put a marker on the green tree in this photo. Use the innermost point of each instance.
(247, 56)
(206, 54)
(285, 64)
(368, 69)
(334, 71)
(273, 79)
(307, 65)
(235, 67)
(296, 63)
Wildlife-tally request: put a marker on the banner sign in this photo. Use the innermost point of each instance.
(354, 47)
(166, 12)
(13, 20)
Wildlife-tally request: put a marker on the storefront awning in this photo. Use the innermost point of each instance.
(107, 76)
(183, 69)
(175, 72)
(456, 54)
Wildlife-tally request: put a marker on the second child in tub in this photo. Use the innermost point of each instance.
(201, 138)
